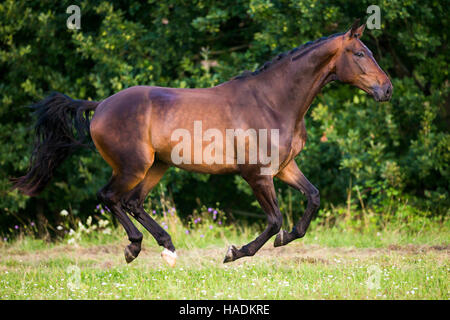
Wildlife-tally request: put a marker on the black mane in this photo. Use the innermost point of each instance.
(301, 50)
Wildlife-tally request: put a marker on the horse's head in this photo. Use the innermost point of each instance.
(356, 65)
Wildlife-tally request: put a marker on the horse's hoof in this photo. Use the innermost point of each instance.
(169, 257)
(281, 238)
(230, 256)
(128, 255)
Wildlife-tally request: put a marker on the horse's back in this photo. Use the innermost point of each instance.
(141, 120)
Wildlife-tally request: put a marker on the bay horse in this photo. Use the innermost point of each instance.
(132, 131)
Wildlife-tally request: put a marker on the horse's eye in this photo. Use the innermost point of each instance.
(359, 54)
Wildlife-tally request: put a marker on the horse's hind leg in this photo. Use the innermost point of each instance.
(111, 196)
(133, 202)
(120, 131)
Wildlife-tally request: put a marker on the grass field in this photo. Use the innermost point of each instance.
(326, 264)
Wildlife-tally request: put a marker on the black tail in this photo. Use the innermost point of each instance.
(62, 126)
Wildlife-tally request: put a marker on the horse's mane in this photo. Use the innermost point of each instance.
(300, 51)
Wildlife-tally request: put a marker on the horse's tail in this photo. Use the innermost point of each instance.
(62, 126)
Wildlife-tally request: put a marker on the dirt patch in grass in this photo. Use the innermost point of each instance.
(416, 249)
(108, 256)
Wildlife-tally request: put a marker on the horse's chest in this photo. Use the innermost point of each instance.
(296, 145)
(298, 142)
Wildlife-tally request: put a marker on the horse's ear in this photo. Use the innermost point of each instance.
(356, 31)
(359, 32)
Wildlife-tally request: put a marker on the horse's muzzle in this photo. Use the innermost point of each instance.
(383, 92)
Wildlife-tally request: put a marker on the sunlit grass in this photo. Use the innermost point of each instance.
(337, 261)
(326, 264)
(298, 272)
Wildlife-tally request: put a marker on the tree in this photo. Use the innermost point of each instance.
(399, 149)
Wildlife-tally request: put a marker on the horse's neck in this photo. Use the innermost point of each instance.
(294, 85)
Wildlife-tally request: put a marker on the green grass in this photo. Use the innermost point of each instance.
(329, 263)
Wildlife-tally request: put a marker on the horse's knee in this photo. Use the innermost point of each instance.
(275, 224)
(133, 206)
(315, 199)
(104, 197)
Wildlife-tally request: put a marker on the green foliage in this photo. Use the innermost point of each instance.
(394, 153)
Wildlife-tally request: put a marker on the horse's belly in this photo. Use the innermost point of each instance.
(210, 169)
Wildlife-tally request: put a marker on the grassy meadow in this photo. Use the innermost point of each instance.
(329, 263)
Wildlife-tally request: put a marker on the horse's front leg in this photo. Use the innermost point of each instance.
(264, 191)
(292, 175)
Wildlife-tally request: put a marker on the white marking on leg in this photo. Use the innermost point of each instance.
(170, 257)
